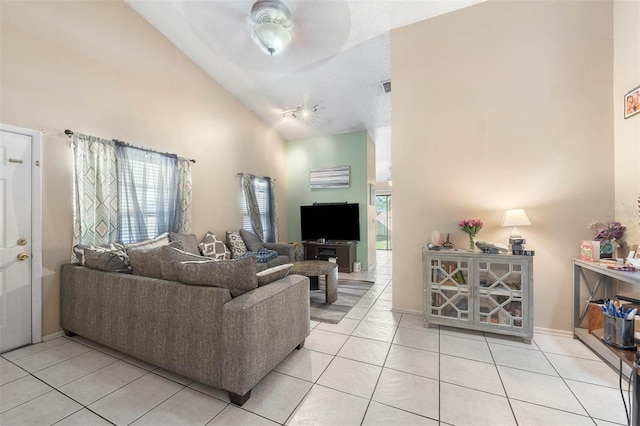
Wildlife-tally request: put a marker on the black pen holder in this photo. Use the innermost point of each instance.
(619, 332)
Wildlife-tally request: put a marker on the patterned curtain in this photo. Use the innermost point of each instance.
(95, 190)
(275, 215)
(182, 223)
(252, 205)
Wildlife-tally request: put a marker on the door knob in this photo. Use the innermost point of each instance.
(21, 242)
(23, 256)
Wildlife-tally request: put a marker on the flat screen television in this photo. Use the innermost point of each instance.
(339, 221)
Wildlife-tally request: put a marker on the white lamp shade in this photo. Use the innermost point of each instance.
(271, 37)
(515, 217)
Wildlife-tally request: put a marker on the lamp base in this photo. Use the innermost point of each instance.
(517, 243)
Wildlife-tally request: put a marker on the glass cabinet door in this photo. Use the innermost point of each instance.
(449, 292)
(500, 293)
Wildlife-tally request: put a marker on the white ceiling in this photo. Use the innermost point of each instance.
(337, 59)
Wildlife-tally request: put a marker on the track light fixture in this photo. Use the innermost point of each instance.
(299, 111)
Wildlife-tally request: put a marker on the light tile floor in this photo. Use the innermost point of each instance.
(375, 367)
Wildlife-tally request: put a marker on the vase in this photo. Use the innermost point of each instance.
(472, 242)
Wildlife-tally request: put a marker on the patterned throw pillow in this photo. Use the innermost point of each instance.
(262, 256)
(236, 243)
(212, 246)
(272, 274)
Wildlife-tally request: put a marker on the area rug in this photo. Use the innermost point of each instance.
(349, 293)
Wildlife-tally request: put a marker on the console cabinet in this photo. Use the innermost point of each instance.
(478, 291)
(343, 252)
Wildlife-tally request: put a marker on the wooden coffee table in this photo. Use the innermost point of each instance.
(313, 269)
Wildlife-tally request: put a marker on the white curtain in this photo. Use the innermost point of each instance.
(147, 187)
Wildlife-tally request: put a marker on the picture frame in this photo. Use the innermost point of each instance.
(632, 103)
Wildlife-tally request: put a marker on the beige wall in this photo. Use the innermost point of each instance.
(98, 68)
(626, 77)
(503, 105)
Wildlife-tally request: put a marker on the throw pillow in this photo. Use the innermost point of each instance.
(251, 240)
(147, 261)
(188, 241)
(110, 261)
(170, 256)
(79, 250)
(261, 256)
(239, 276)
(272, 274)
(212, 246)
(236, 244)
(159, 241)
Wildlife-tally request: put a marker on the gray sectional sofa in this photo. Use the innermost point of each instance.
(198, 331)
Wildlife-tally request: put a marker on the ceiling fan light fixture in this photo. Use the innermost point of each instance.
(271, 23)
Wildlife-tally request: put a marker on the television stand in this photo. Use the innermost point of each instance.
(343, 251)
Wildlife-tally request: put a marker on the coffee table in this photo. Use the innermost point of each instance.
(313, 269)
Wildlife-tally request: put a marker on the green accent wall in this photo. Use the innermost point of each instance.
(349, 149)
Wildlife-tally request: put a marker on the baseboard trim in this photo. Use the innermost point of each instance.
(53, 336)
(553, 332)
(407, 311)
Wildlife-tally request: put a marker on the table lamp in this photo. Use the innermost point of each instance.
(515, 218)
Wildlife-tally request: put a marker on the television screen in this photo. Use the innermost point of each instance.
(330, 221)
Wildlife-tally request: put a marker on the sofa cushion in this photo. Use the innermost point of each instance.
(280, 260)
(189, 242)
(110, 261)
(236, 244)
(147, 261)
(119, 249)
(212, 246)
(239, 276)
(160, 240)
(251, 240)
(273, 274)
(170, 256)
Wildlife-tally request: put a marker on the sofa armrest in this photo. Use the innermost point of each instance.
(260, 328)
(283, 249)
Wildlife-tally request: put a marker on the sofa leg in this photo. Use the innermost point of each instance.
(68, 333)
(239, 400)
(301, 345)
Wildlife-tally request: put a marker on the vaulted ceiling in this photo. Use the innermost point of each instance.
(338, 58)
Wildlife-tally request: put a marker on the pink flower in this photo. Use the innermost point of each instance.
(471, 226)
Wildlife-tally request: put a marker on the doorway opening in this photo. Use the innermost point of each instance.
(383, 222)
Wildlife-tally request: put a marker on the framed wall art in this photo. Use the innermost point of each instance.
(328, 178)
(632, 102)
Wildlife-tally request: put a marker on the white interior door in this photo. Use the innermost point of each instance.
(15, 240)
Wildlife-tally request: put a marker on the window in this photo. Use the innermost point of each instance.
(262, 189)
(147, 193)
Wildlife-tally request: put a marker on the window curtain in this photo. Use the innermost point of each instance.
(182, 223)
(147, 190)
(95, 190)
(275, 215)
(252, 205)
